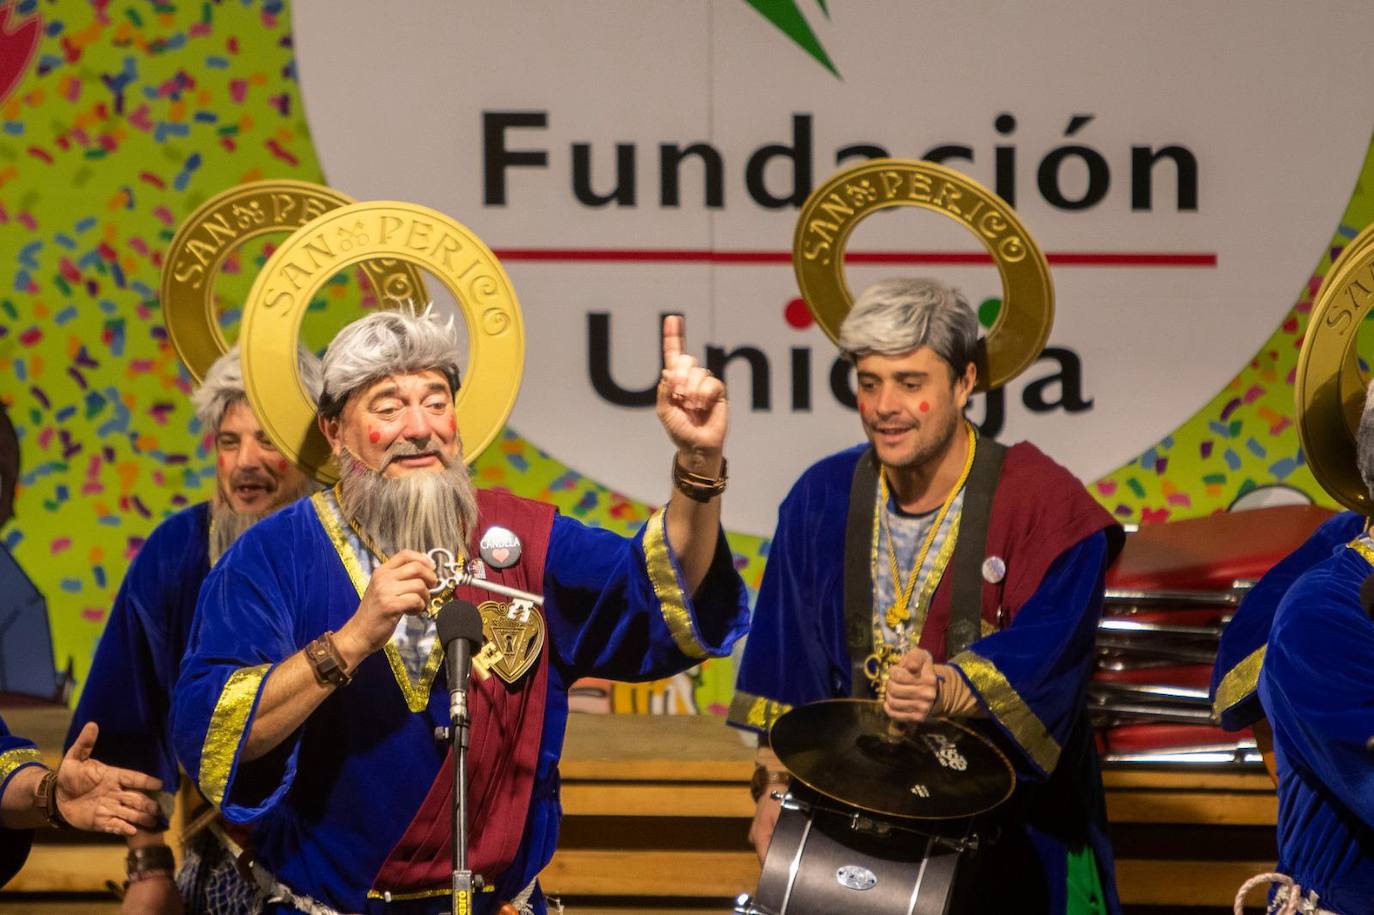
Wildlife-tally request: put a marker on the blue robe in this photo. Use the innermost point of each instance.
(1317, 690)
(1031, 677)
(128, 690)
(329, 804)
(1240, 654)
(15, 753)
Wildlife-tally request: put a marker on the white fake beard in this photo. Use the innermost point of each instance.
(227, 525)
(417, 511)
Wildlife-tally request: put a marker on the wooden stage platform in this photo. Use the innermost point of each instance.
(656, 811)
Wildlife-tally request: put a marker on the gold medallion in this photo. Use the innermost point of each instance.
(224, 222)
(834, 208)
(350, 235)
(1329, 387)
(517, 631)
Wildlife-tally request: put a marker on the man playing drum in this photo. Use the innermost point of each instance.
(969, 585)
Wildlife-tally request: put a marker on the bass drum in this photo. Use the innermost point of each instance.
(826, 858)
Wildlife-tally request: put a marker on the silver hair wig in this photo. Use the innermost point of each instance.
(1364, 441)
(387, 343)
(899, 315)
(222, 387)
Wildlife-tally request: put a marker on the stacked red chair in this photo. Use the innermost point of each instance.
(1169, 595)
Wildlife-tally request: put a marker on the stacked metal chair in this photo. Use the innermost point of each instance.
(1169, 596)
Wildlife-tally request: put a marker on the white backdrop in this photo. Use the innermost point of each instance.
(1158, 305)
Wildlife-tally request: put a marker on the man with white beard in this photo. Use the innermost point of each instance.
(128, 691)
(308, 703)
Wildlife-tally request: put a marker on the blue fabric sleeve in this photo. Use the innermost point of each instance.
(1031, 677)
(796, 651)
(1316, 686)
(127, 691)
(16, 753)
(617, 608)
(242, 630)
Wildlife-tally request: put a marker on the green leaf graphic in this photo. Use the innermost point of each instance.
(785, 15)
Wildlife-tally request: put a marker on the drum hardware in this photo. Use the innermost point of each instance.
(873, 826)
(746, 906)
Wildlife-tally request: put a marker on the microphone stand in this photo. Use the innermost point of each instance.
(464, 881)
(458, 735)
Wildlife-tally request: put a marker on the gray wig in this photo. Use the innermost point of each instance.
(899, 315)
(222, 387)
(386, 343)
(1364, 441)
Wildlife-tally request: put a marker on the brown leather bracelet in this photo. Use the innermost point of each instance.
(326, 662)
(697, 487)
(45, 799)
(764, 779)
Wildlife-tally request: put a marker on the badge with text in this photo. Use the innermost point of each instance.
(517, 631)
(500, 548)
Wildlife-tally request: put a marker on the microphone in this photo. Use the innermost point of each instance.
(460, 632)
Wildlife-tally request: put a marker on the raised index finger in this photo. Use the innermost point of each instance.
(672, 338)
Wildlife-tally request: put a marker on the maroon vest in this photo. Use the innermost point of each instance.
(507, 726)
(1039, 511)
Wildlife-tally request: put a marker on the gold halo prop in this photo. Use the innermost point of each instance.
(833, 210)
(350, 235)
(1329, 386)
(219, 225)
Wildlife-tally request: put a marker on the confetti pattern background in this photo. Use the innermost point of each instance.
(117, 118)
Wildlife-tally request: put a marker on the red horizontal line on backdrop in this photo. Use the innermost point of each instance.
(705, 256)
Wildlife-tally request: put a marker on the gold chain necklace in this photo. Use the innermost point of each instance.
(900, 611)
(879, 664)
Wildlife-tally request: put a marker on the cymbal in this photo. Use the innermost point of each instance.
(932, 770)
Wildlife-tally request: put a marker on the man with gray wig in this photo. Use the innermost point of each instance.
(128, 691)
(1317, 691)
(968, 585)
(309, 700)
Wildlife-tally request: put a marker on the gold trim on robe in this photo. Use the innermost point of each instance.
(662, 575)
(1006, 705)
(755, 711)
(1240, 681)
(227, 725)
(13, 760)
(416, 693)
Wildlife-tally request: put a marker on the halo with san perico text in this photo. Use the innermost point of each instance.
(829, 216)
(351, 235)
(205, 239)
(1329, 387)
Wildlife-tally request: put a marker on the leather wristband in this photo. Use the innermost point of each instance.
(697, 487)
(326, 661)
(149, 861)
(45, 799)
(764, 778)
